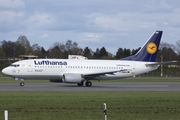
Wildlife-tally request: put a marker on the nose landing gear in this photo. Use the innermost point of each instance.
(22, 83)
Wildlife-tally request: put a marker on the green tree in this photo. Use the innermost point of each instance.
(96, 54)
(2, 53)
(39, 51)
(134, 51)
(8, 48)
(22, 40)
(167, 51)
(87, 52)
(72, 48)
(178, 49)
(19, 50)
(119, 53)
(43, 52)
(103, 53)
(55, 52)
(127, 52)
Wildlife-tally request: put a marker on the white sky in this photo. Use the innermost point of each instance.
(93, 23)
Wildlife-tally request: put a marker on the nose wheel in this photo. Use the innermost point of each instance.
(22, 83)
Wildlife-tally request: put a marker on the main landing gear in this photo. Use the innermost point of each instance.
(88, 83)
(22, 81)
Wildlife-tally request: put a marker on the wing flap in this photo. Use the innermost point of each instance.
(101, 73)
(93, 75)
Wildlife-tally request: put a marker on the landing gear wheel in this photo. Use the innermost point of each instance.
(88, 84)
(22, 84)
(80, 84)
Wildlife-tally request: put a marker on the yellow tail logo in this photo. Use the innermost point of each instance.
(151, 48)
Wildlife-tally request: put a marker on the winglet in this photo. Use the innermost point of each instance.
(148, 51)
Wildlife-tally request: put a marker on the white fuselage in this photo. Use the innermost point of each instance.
(53, 69)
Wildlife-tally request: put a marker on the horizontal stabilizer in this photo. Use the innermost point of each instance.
(160, 63)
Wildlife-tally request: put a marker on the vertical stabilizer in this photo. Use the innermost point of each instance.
(148, 51)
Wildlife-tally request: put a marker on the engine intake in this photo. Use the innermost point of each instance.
(72, 78)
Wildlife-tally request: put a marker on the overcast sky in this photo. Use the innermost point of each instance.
(94, 23)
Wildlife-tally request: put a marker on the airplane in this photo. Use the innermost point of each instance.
(79, 71)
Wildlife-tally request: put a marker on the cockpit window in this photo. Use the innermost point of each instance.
(14, 65)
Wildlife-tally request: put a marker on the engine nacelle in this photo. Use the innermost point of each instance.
(72, 78)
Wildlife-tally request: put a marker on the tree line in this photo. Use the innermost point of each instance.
(22, 46)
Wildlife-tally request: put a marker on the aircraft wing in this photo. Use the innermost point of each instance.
(93, 75)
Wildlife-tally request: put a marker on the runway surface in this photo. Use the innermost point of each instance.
(109, 86)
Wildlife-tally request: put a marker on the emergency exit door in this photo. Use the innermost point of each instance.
(29, 67)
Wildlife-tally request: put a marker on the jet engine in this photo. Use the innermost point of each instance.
(72, 78)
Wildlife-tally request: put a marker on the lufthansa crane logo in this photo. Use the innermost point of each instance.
(151, 48)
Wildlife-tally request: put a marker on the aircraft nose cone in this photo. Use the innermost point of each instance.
(5, 71)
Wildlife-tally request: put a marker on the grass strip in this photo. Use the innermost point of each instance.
(89, 105)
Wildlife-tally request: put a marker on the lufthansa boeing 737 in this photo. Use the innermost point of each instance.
(79, 71)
